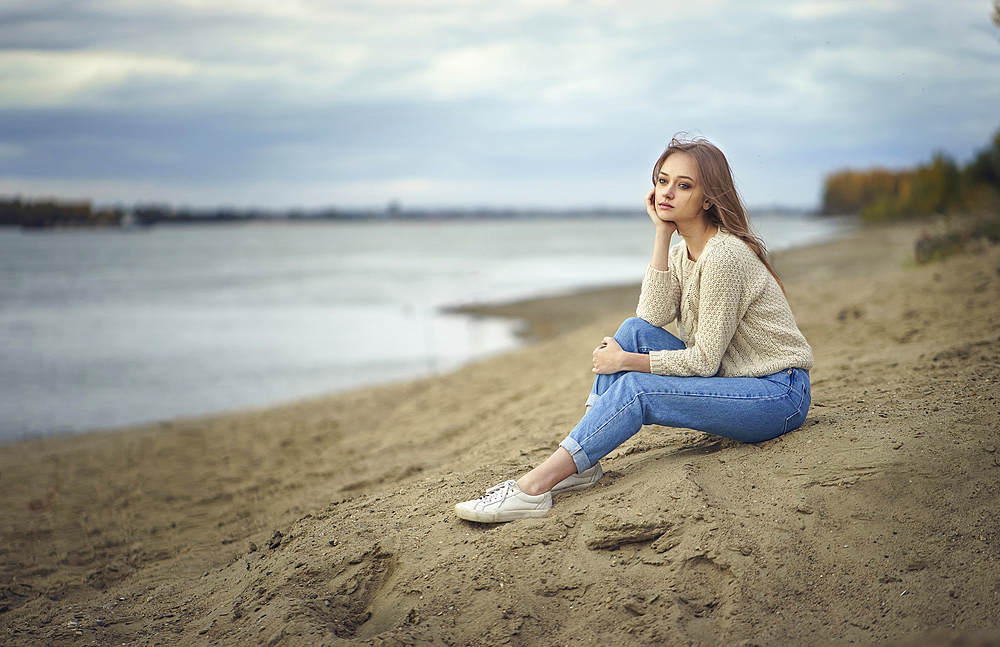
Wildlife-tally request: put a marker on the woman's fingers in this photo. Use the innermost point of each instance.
(605, 356)
(650, 205)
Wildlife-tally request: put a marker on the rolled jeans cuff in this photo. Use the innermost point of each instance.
(579, 456)
(592, 399)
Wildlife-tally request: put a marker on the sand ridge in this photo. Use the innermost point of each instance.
(330, 522)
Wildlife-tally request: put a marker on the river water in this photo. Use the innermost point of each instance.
(107, 328)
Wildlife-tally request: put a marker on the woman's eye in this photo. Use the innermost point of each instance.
(684, 185)
(662, 181)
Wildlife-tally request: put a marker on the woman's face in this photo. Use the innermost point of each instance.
(679, 196)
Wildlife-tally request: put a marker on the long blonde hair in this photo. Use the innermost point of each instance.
(716, 177)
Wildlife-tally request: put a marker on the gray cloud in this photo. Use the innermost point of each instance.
(470, 103)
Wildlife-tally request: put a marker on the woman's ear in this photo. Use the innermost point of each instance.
(707, 205)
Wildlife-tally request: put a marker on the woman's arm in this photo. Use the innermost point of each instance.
(660, 296)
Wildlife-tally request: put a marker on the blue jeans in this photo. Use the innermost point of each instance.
(747, 409)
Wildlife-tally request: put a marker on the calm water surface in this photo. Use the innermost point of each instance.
(104, 328)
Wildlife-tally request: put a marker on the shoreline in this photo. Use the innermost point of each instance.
(330, 521)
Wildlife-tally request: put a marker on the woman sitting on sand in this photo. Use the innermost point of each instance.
(740, 368)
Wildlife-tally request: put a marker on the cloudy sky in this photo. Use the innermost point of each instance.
(524, 103)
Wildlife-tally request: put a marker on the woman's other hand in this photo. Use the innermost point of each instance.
(609, 357)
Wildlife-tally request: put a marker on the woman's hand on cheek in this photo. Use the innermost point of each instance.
(660, 223)
(651, 206)
(608, 357)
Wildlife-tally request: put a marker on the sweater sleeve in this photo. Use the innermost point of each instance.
(723, 287)
(660, 297)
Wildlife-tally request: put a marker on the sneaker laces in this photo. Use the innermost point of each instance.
(497, 493)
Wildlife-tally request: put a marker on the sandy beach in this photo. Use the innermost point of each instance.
(331, 522)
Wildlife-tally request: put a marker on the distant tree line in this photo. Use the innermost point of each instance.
(54, 213)
(50, 213)
(939, 187)
(60, 213)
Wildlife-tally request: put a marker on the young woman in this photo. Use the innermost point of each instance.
(740, 368)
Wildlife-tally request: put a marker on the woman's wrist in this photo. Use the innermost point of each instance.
(661, 249)
(638, 362)
(661, 241)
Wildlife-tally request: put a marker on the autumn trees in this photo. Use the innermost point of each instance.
(940, 186)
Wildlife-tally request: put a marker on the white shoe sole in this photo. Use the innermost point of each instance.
(499, 516)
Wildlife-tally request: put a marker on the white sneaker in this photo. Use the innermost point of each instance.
(584, 479)
(504, 502)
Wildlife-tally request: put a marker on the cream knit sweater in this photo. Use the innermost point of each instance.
(731, 314)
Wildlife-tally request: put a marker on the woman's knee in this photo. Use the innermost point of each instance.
(637, 335)
(628, 333)
(631, 325)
